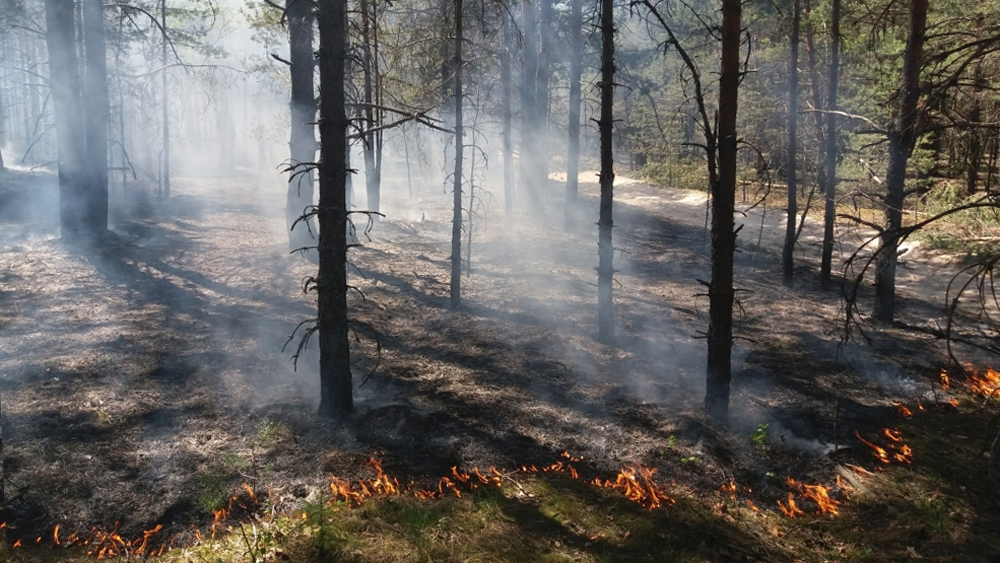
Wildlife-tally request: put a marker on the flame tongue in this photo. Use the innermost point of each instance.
(985, 382)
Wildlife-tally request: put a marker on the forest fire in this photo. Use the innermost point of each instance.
(816, 494)
(635, 483)
(896, 450)
(983, 382)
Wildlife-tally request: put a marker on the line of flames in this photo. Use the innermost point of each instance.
(895, 451)
(985, 382)
(817, 494)
(635, 482)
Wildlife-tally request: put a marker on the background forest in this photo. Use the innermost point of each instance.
(315, 280)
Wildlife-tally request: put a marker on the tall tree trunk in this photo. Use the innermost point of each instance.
(575, 73)
(302, 105)
(787, 263)
(336, 399)
(508, 133)
(372, 180)
(97, 111)
(605, 251)
(826, 264)
(165, 172)
(64, 79)
(720, 291)
(456, 221)
(529, 115)
(542, 84)
(817, 97)
(902, 139)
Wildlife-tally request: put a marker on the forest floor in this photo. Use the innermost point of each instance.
(144, 382)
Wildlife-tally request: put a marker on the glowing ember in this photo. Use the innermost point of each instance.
(985, 383)
(945, 380)
(729, 489)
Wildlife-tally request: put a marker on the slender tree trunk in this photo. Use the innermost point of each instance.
(787, 263)
(64, 79)
(575, 73)
(302, 105)
(97, 112)
(508, 133)
(605, 250)
(165, 173)
(817, 98)
(902, 139)
(529, 107)
(542, 85)
(456, 221)
(368, 139)
(720, 292)
(826, 264)
(336, 399)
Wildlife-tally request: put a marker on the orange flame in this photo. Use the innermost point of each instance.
(55, 534)
(945, 380)
(985, 383)
(904, 411)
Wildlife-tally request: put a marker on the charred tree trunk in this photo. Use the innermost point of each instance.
(64, 79)
(508, 133)
(605, 251)
(826, 263)
(720, 291)
(372, 179)
(165, 164)
(787, 263)
(456, 221)
(336, 399)
(902, 139)
(575, 73)
(302, 104)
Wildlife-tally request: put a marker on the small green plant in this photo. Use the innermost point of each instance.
(267, 432)
(318, 523)
(672, 441)
(760, 435)
(692, 459)
(214, 493)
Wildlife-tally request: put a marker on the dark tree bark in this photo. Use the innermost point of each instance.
(97, 111)
(902, 139)
(605, 251)
(336, 399)
(64, 79)
(165, 172)
(456, 221)
(302, 104)
(372, 180)
(720, 291)
(826, 263)
(787, 263)
(508, 133)
(573, 128)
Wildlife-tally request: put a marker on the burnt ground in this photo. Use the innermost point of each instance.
(136, 377)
